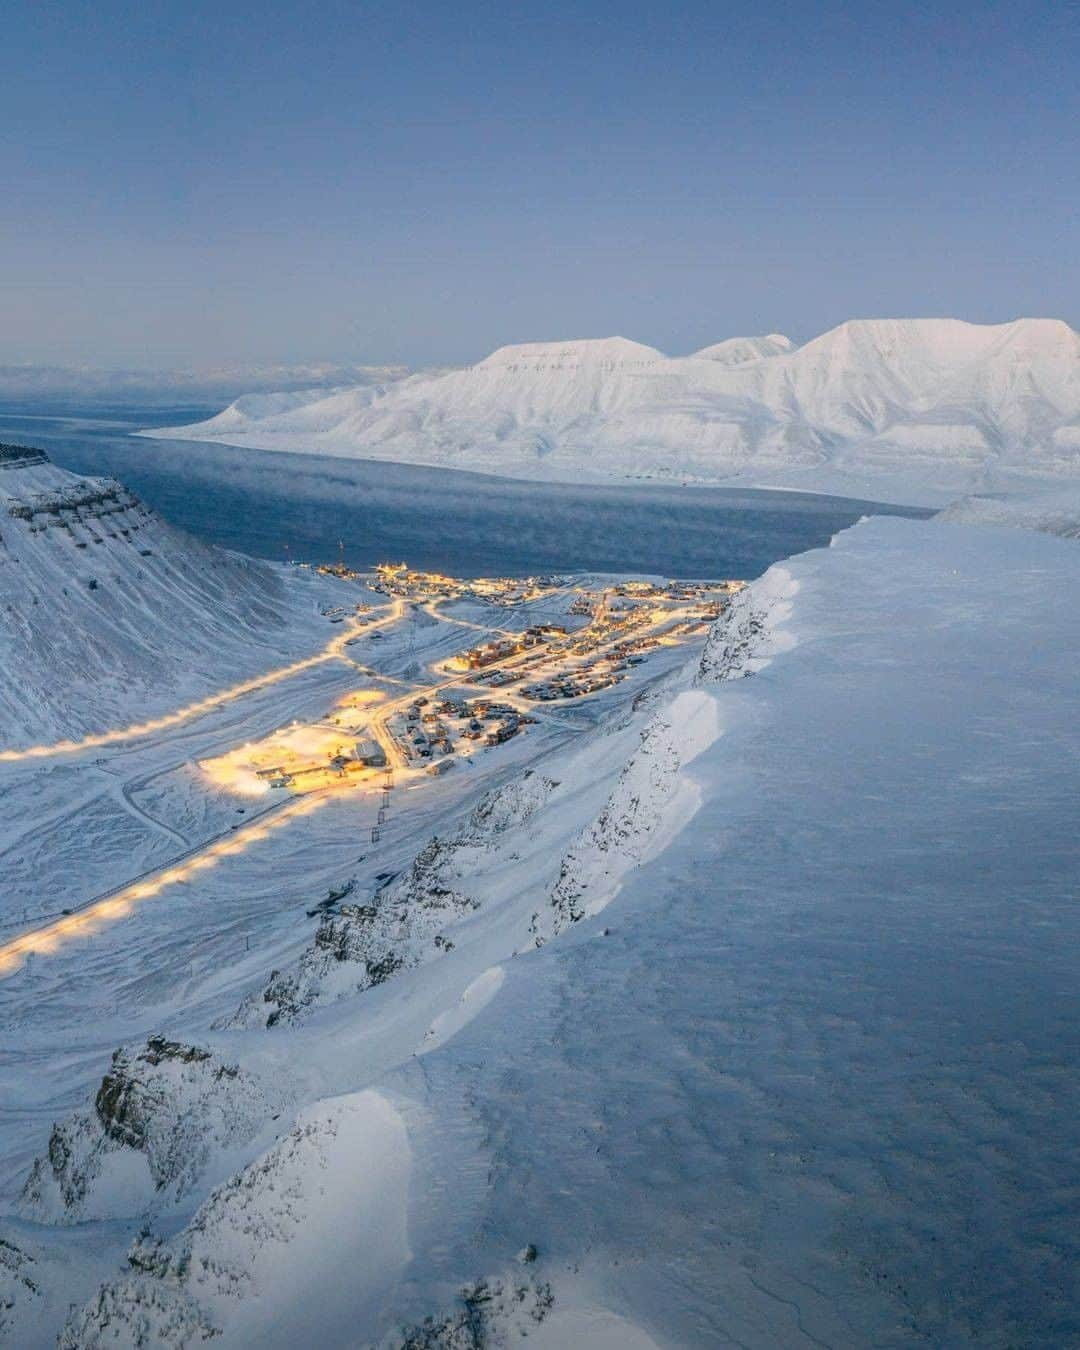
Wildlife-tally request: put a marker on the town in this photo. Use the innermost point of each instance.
(417, 719)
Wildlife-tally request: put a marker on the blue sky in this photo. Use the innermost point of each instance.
(195, 184)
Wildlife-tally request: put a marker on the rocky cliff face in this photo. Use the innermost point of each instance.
(487, 1315)
(407, 923)
(167, 1296)
(649, 799)
(328, 1196)
(750, 631)
(654, 797)
(148, 1308)
(18, 1283)
(157, 1118)
(361, 946)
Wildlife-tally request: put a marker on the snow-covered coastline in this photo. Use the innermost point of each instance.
(915, 411)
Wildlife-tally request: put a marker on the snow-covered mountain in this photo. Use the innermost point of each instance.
(737, 351)
(108, 613)
(918, 409)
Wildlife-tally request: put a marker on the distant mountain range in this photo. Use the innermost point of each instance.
(912, 408)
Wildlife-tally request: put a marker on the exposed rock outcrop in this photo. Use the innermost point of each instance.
(323, 1193)
(650, 799)
(405, 923)
(157, 1118)
(487, 1314)
(747, 634)
(18, 1282)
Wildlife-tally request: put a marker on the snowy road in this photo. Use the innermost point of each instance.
(136, 731)
(97, 833)
(125, 782)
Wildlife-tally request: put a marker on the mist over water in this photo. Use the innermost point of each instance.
(315, 508)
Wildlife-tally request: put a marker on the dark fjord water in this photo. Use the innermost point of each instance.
(304, 507)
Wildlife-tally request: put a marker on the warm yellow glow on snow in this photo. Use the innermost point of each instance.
(360, 698)
(52, 936)
(303, 753)
(333, 651)
(299, 749)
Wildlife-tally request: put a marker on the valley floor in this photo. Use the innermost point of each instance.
(713, 1011)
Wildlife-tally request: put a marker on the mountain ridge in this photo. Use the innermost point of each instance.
(921, 409)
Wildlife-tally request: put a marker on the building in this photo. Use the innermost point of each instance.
(369, 753)
(479, 657)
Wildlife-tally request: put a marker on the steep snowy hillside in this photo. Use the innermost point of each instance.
(748, 1020)
(915, 409)
(107, 612)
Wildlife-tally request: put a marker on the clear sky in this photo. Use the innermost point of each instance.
(191, 183)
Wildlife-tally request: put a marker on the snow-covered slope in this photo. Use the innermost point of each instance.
(1056, 512)
(408, 920)
(753, 1022)
(916, 409)
(158, 1118)
(107, 613)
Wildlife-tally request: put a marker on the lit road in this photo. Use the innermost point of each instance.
(89, 918)
(333, 651)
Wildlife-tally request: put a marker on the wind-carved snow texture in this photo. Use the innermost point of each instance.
(105, 610)
(157, 1119)
(256, 1250)
(404, 926)
(933, 405)
(821, 1064)
(1049, 513)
